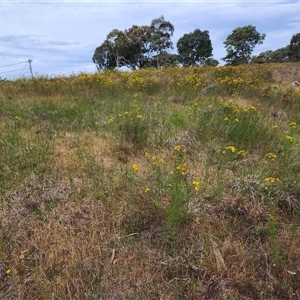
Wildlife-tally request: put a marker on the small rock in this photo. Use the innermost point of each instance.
(295, 84)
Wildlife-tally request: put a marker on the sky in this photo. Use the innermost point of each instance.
(60, 37)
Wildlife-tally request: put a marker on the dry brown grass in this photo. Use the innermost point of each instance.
(68, 146)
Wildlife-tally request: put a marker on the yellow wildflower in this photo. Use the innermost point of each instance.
(154, 160)
(135, 167)
(182, 168)
(231, 148)
(177, 148)
(271, 156)
(241, 153)
(272, 179)
(289, 138)
(196, 185)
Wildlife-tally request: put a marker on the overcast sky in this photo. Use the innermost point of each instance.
(61, 36)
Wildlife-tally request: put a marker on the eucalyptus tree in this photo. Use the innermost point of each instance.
(160, 34)
(103, 57)
(278, 56)
(136, 47)
(165, 60)
(136, 52)
(195, 48)
(295, 47)
(241, 43)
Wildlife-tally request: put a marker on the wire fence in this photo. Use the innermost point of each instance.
(16, 70)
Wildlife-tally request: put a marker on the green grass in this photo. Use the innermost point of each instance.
(127, 186)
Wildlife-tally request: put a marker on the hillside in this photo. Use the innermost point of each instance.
(286, 73)
(178, 183)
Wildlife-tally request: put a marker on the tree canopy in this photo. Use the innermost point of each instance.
(289, 53)
(240, 44)
(160, 33)
(278, 56)
(295, 47)
(136, 47)
(150, 46)
(195, 48)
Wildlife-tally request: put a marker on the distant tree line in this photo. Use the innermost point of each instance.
(289, 53)
(150, 46)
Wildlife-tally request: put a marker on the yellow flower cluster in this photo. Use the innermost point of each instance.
(179, 149)
(271, 156)
(230, 148)
(231, 82)
(135, 167)
(237, 110)
(239, 78)
(241, 153)
(272, 179)
(149, 79)
(154, 159)
(237, 153)
(196, 184)
(182, 168)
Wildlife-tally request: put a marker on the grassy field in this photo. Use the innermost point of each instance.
(181, 183)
